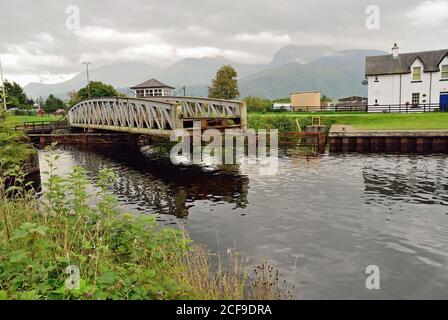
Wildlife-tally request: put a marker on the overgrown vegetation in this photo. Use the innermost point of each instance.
(78, 245)
(13, 150)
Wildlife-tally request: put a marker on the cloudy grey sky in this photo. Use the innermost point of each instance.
(42, 40)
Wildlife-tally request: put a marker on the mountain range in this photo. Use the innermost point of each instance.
(293, 68)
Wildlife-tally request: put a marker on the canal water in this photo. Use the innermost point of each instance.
(321, 219)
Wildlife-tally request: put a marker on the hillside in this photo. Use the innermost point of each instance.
(336, 75)
(299, 54)
(293, 68)
(118, 75)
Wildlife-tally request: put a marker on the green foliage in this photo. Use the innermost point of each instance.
(12, 149)
(73, 98)
(325, 99)
(258, 104)
(52, 104)
(278, 121)
(282, 100)
(119, 256)
(225, 84)
(97, 89)
(15, 96)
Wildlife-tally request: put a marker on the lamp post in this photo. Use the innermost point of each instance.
(88, 80)
(3, 87)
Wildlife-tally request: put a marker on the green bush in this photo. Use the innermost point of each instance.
(281, 122)
(257, 104)
(119, 256)
(12, 149)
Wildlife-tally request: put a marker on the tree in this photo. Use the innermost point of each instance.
(73, 98)
(225, 84)
(325, 99)
(52, 104)
(97, 89)
(257, 103)
(15, 96)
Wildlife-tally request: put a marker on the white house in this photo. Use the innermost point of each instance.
(152, 88)
(416, 81)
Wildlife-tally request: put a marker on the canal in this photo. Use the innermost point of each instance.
(321, 219)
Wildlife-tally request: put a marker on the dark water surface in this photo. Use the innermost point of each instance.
(332, 214)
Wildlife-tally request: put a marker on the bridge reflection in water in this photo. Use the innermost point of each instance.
(147, 178)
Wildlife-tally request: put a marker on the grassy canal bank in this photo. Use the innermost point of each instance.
(286, 121)
(61, 246)
(18, 120)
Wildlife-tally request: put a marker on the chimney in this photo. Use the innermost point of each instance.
(395, 51)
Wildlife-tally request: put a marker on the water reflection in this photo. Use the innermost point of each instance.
(147, 178)
(411, 179)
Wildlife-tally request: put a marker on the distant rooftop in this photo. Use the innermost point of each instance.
(152, 83)
(387, 64)
(304, 92)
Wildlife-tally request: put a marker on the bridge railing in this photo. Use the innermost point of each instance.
(158, 115)
(196, 107)
(123, 114)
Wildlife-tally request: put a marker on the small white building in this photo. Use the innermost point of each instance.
(281, 106)
(152, 88)
(417, 80)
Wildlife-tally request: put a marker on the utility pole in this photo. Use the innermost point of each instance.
(88, 80)
(3, 86)
(39, 98)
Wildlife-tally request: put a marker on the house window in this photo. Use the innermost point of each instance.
(415, 99)
(445, 71)
(417, 74)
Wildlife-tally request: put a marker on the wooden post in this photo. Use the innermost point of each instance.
(43, 141)
(243, 115)
(419, 145)
(360, 144)
(345, 145)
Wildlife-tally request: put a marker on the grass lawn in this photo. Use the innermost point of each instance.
(17, 120)
(416, 121)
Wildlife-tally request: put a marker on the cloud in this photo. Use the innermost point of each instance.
(196, 30)
(100, 34)
(18, 58)
(263, 37)
(429, 13)
(160, 32)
